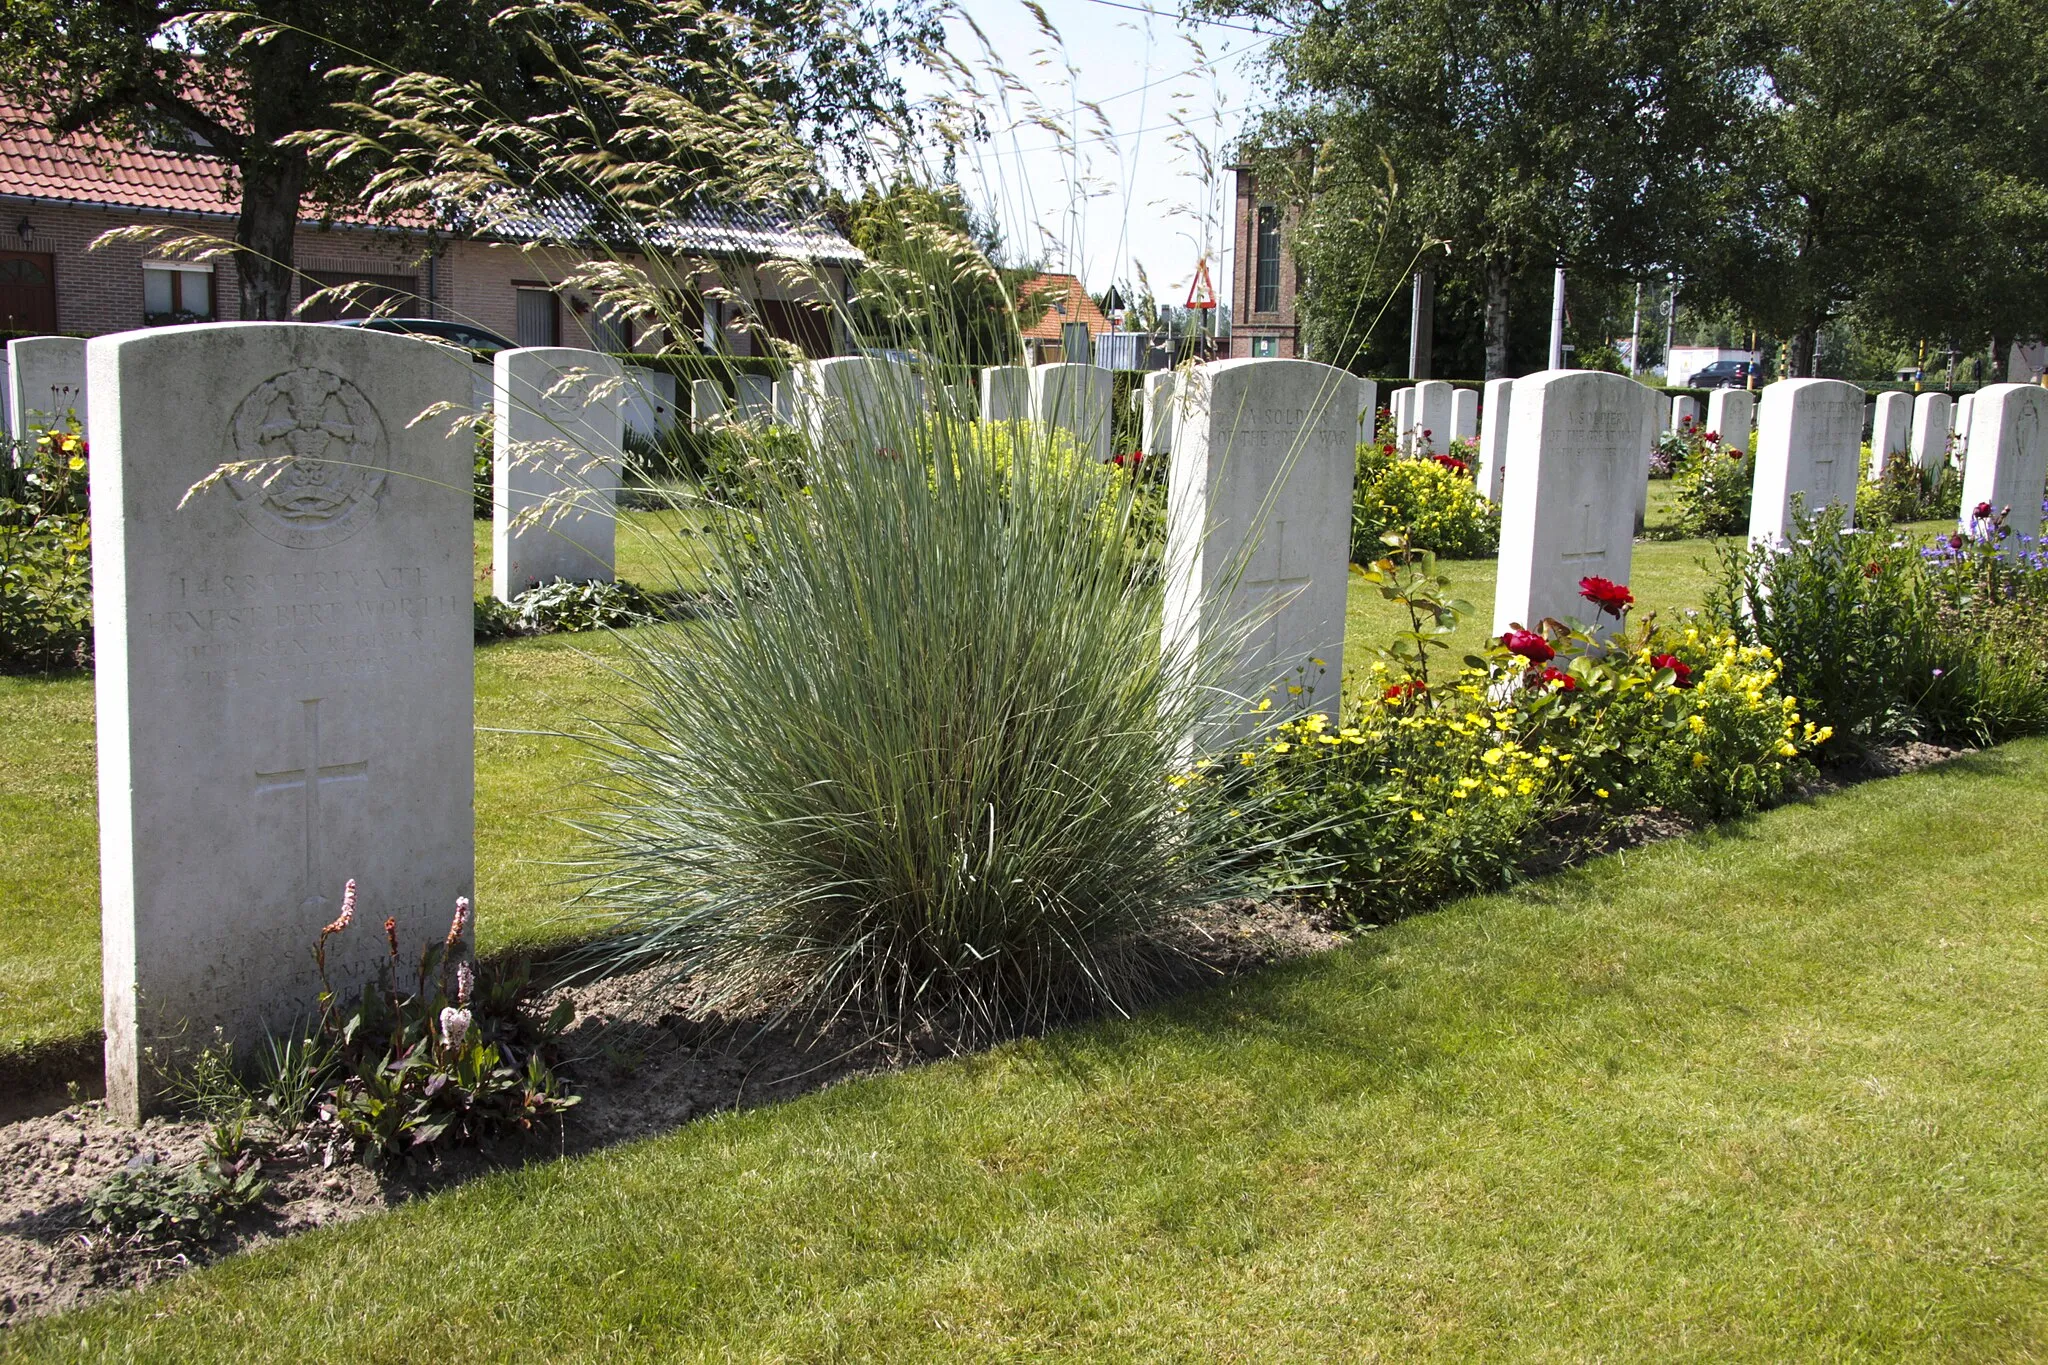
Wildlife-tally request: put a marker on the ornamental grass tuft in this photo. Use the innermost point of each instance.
(924, 769)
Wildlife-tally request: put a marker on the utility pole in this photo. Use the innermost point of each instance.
(1635, 334)
(1557, 321)
(1670, 327)
(1421, 323)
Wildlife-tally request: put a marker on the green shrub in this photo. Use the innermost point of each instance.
(1851, 618)
(483, 475)
(917, 769)
(1439, 780)
(45, 553)
(739, 460)
(1714, 482)
(1433, 502)
(1907, 492)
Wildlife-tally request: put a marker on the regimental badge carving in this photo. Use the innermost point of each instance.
(312, 457)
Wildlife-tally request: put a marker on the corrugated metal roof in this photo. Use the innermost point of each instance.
(91, 170)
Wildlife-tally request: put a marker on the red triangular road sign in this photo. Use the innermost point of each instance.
(1201, 293)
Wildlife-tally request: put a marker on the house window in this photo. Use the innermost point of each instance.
(536, 318)
(1265, 347)
(1266, 298)
(610, 329)
(176, 293)
(360, 294)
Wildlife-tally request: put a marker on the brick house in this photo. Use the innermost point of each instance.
(58, 195)
(1061, 301)
(1264, 280)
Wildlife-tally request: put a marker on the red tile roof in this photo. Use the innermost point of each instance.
(1052, 291)
(87, 169)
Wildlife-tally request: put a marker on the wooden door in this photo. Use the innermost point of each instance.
(28, 292)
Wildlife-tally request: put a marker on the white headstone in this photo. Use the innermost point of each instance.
(1493, 436)
(960, 401)
(1006, 393)
(1809, 440)
(1575, 445)
(1157, 421)
(1655, 409)
(1075, 398)
(1685, 412)
(1404, 419)
(283, 671)
(650, 401)
(1368, 410)
(6, 395)
(1965, 408)
(1931, 412)
(557, 434)
(869, 401)
(1465, 414)
(1891, 432)
(1266, 454)
(782, 398)
(1730, 415)
(2008, 464)
(756, 398)
(1433, 416)
(45, 380)
(707, 402)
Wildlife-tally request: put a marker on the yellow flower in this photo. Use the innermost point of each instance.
(1788, 750)
(1245, 758)
(1281, 746)
(1497, 790)
(1525, 786)
(1697, 722)
(1265, 703)
(1699, 760)
(1294, 689)
(1492, 757)
(1417, 816)
(1318, 663)
(1600, 792)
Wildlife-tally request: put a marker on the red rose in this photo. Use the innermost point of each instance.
(1955, 540)
(1406, 691)
(1872, 569)
(1607, 595)
(1676, 665)
(1734, 452)
(1452, 463)
(1529, 645)
(1982, 509)
(1712, 436)
(1117, 460)
(1565, 681)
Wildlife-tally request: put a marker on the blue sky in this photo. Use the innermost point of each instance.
(1131, 191)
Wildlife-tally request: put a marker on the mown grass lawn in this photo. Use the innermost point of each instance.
(527, 780)
(1771, 1093)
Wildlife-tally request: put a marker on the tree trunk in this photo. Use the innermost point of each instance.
(1496, 320)
(272, 180)
(1804, 343)
(2001, 348)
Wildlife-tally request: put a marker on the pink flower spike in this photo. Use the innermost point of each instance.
(461, 920)
(348, 910)
(465, 982)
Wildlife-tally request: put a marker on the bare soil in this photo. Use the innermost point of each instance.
(646, 1057)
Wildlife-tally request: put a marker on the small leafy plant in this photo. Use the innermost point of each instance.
(413, 1063)
(150, 1205)
(45, 552)
(1431, 500)
(1714, 480)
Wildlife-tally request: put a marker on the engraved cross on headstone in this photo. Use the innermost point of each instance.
(1277, 586)
(1587, 538)
(309, 778)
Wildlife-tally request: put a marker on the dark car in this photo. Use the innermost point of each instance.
(480, 341)
(1723, 374)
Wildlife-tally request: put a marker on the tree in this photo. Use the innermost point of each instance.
(931, 283)
(1520, 135)
(247, 86)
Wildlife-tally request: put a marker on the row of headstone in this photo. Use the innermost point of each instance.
(283, 569)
